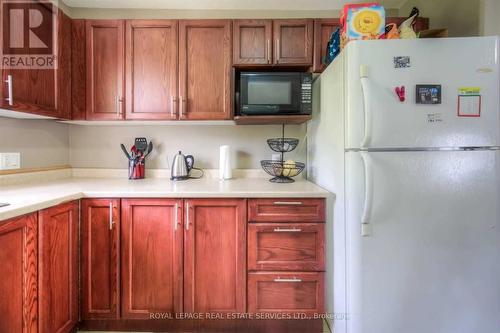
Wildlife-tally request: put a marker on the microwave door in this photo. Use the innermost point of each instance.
(270, 93)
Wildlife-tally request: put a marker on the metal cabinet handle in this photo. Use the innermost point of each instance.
(176, 217)
(294, 279)
(118, 105)
(10, 97)
(187, 216)
(173, 104)
(268, 51)
(111, 216)
(183, 106)
(287, 230)
(288, 203)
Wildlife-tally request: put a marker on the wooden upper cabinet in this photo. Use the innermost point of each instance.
(151, 69)
(42, 91)
(323, 29)
(58, 268)
(293, 42)
(105, 72)
(151, 268)
(214, 255)
(205, 69)
(100, 234)
(252, 42)
(18, 285)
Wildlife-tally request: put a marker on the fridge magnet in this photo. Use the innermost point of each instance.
(402, 62)
(428, 94)
(469, 102)
(401, 93)
(434, 118)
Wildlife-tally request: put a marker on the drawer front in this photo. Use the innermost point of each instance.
(286, 210)
(286, 292)
(289, 247)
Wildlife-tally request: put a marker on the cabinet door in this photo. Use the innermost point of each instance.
(18, 285)
(323, 29)
(42, 91)
(214, 255)
(252, 42)
(151, 257)
(151, 69)
(205, 69)
(104, 62)
(100, 232)
(293, 42)
(57, 268)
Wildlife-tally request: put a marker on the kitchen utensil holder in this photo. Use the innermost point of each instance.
(281, 171)
(136, 169)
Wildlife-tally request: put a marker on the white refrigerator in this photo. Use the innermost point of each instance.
(414, 229)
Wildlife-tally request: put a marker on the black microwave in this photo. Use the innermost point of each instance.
(275, 93)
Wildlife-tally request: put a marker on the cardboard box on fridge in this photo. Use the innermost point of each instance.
(362, 21)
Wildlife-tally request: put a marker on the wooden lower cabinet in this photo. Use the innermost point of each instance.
(100, 248)
(287, 292)
(214, 255)
(58, 268)
(151, 234)
(18, 267)
(286, 210)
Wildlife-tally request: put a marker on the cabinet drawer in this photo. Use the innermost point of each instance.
(286, 292)
(290, 246)
(286, 210)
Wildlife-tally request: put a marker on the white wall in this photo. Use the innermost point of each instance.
(490, 17)
(42, 143)
(99, 146)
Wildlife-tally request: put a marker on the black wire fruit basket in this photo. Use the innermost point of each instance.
(281, 170)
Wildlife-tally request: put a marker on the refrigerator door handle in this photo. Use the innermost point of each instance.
(363, 76)
(367, 208)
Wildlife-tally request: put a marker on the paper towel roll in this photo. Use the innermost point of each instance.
(225, 170)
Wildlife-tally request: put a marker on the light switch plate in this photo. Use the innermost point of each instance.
(10, 161)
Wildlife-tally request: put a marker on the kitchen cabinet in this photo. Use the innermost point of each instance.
(214, 255)
(18, 264)
(252, 42)
(286, 210)
(152, 237)
(273, 42)
(105, 70)
(293, 42)
(205, 69)
(58, 268)
(100, 248)
(323, 29)
(288, 292)
(151, 69)
(42, 91)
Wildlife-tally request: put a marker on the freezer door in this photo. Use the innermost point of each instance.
(465, 69)
(430, 258)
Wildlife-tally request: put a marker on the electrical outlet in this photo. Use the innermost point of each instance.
(10, 161)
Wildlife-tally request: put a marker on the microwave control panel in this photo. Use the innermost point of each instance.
(306, 97)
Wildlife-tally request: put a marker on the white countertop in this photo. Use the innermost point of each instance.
(27, 198)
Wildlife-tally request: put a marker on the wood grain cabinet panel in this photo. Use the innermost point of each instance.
(252, 42)
(100, 234)
(151, 257)
(151, 69)
(286, 210)
(44, 91)
(18, 283)
(293, 42)
(323, 29)
(58, 268)
(286, 292)
(214, 255)
(205, 69)
(286, 246)
(105, 70)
